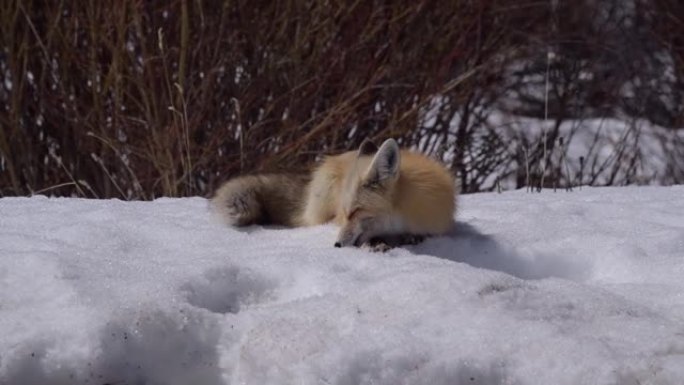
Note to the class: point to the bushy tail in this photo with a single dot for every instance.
(261, 199)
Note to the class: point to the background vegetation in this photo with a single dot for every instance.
(137, 99)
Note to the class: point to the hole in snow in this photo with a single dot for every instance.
(374, 368)
(158, 348)
(226, 290)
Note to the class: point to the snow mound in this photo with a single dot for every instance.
(552, 288)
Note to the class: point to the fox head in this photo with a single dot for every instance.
(367, 208)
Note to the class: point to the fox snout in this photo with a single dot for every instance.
(360, 231)
(354, 233)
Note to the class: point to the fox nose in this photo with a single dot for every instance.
(337, 244)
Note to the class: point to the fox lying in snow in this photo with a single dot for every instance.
(380, 197)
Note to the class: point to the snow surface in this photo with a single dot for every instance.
(596, 151)
(553, 288)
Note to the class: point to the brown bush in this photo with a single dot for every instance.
(138, 99)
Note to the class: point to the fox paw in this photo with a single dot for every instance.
(378, 246)
(388, 242)
(412, 239)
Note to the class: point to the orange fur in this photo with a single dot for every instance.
(367, 193)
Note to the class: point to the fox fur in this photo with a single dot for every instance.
(384, 195)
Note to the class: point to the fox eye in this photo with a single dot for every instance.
(352, 213)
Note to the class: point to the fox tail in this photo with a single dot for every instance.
(270, 199)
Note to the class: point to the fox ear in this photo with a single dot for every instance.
(385, 164)
(367, 148)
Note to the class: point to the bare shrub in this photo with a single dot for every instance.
(139, 99)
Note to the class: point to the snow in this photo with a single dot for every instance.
(580, 287)
(600, 141)
(595, 151)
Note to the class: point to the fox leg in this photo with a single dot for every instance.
(386, 242)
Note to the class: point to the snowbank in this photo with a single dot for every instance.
(552, 288)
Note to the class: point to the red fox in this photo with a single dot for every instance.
(379, 197)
